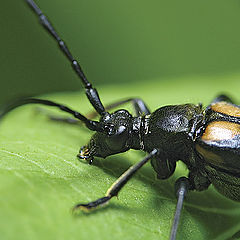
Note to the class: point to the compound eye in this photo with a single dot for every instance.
(117, 139)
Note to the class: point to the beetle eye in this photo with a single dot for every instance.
(116, 139)
(116, 131)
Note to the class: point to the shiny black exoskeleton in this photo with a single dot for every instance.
(170, 129)
(206, 140)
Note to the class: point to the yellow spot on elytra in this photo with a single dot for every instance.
(226, 108)
(220, 130)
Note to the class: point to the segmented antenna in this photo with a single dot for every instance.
(91, 92)
(92, 125)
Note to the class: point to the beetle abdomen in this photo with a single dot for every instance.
(227, 184)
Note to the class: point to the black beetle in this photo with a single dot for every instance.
(206, 140)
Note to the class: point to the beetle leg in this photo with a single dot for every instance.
(182, 186)
(53, 117)
(163, 166)
(139, 106)
(64, 119)
(116, 186)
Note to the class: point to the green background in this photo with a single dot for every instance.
(116, 42)
(166, 52)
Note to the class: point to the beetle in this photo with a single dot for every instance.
(206, 140)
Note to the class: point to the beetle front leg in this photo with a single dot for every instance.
(117, 185)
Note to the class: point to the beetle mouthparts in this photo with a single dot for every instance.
(85, 154)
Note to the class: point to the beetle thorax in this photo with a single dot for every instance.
(172, 128)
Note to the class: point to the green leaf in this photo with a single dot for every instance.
(41, 178)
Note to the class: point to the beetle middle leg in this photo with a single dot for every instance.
(139, 106)
(182, 185)
(116, 186)
(196, 181)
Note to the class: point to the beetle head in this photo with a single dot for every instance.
(114, 137)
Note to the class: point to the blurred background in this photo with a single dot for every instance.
(116, 42)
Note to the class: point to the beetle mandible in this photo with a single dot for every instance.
(206, 140)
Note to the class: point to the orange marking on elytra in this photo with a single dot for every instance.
(220, 130)
(226, 108)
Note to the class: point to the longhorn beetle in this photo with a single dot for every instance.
(206, 140)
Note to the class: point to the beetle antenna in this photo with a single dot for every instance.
(92, 125)
(91, 92)
(182, 186)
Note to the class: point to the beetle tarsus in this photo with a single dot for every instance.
(92, 205)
